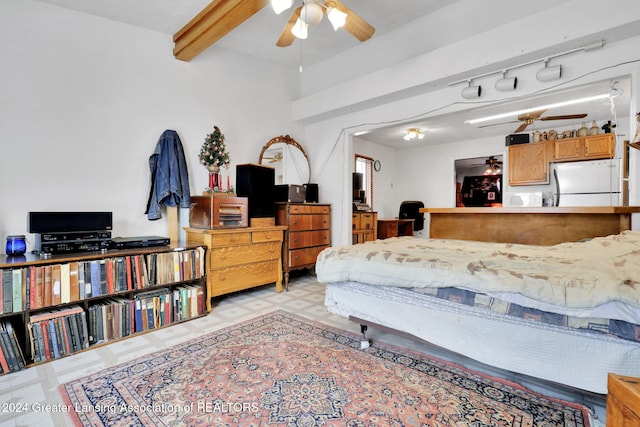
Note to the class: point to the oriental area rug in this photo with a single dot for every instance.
(283, 370)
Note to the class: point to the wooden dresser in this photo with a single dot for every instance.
(308, 233)
(364, 227)
(240, 258)
(394, 228)
(623, 401)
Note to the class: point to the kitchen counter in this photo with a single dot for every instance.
(529, 225)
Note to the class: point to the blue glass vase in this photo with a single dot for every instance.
(16, 245)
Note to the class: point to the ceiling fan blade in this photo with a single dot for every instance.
(499, 124)
(286, 37)
(521, 127)
(565, 117)
(354, 24)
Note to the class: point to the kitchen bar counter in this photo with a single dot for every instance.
(528, 225)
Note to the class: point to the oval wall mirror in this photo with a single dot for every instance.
(288, 158)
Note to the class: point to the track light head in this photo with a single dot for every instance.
(506, 83)
(548, 74)
(471, 92)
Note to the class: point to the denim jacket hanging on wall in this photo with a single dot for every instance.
(169, 175)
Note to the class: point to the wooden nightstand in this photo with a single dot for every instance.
(394, 228)
(623, 401)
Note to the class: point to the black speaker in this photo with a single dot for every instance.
(312, 195)
(517, 138)
(258, 184)
(64, 222)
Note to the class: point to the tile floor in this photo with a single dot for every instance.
(30, 397)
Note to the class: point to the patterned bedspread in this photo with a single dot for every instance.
(574, 275)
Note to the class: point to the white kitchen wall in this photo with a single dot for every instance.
(84, 101)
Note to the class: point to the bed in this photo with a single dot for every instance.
(566, 313)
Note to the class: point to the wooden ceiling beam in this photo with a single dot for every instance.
(214, 22)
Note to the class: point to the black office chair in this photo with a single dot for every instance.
(410, 209)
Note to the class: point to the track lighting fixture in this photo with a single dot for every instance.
(544, 75)
(506, 83)
(471, 92)
(413, 133)
(548, 74)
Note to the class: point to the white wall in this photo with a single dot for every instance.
(84, 101)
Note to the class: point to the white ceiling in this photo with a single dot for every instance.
(257, 37)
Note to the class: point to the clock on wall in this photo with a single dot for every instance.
(377, 165)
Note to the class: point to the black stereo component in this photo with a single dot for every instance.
(290, 193)
(138, 242)
(72, 246)
(80, 235)
(517, 138)
(312, 195)
(67, 222)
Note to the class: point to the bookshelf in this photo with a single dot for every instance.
(51, 308)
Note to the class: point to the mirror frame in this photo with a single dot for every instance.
(286, 139)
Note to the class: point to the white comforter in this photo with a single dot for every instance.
(574, 275)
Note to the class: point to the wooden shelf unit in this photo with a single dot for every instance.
(50, 300)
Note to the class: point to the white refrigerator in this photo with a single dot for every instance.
(588, 183)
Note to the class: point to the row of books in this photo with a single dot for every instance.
(11, 358)
(39, 286)
(58, 333)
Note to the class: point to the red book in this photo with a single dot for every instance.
(32, 286)
(111, 287)
(45, 338)
(3, 362)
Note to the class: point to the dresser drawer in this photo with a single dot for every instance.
(309, 222)
(232, 255)
(228, 239)
(266, 236)
(303, 239)
(298, 257)
(309, 209)
(224, 280)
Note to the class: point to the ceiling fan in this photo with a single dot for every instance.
(528, 119)
(311, 13)
(278, 156)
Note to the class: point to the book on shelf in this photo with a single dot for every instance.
(11, 357)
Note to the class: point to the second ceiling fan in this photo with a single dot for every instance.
(311, 12)
(529, 118)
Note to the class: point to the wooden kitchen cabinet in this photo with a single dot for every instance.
(240, 258)
(623, 401)
(308, 233)
(529, 163)
(364, 226)
(590, 147)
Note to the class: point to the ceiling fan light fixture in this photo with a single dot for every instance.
(336, 17)
(299, 29)
(471, 92)
(311, 13)
(548, 74)
(413, 133)
(280, 6)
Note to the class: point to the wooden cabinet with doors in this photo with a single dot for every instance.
(364, 227)
(590, 147)
(529, 163)
(308, 233)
